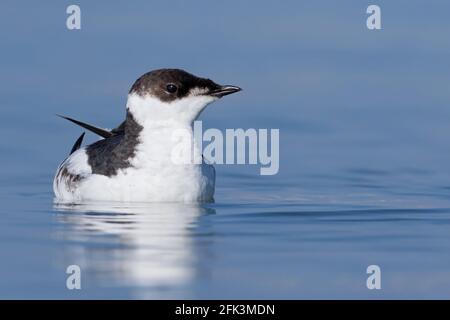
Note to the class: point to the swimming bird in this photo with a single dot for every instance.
(135, 161)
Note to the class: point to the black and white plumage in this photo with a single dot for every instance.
(135, 161)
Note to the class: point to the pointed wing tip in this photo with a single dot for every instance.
(99, 131)
(77, 144)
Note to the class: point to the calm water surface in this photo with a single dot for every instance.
(364, 152)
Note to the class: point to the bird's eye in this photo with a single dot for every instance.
(171, 88)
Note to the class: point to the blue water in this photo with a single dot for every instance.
(364, 150)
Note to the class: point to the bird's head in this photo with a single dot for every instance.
(172, 96)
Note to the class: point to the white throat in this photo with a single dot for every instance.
(149, 111)
(167, 134)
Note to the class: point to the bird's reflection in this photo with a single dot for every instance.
(148, 245)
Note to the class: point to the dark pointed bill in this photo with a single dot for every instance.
(223, 91)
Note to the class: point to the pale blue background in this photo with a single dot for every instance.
(365, 149)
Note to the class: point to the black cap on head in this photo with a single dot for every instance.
(171, 84)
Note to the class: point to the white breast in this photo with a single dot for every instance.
(152, 177)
